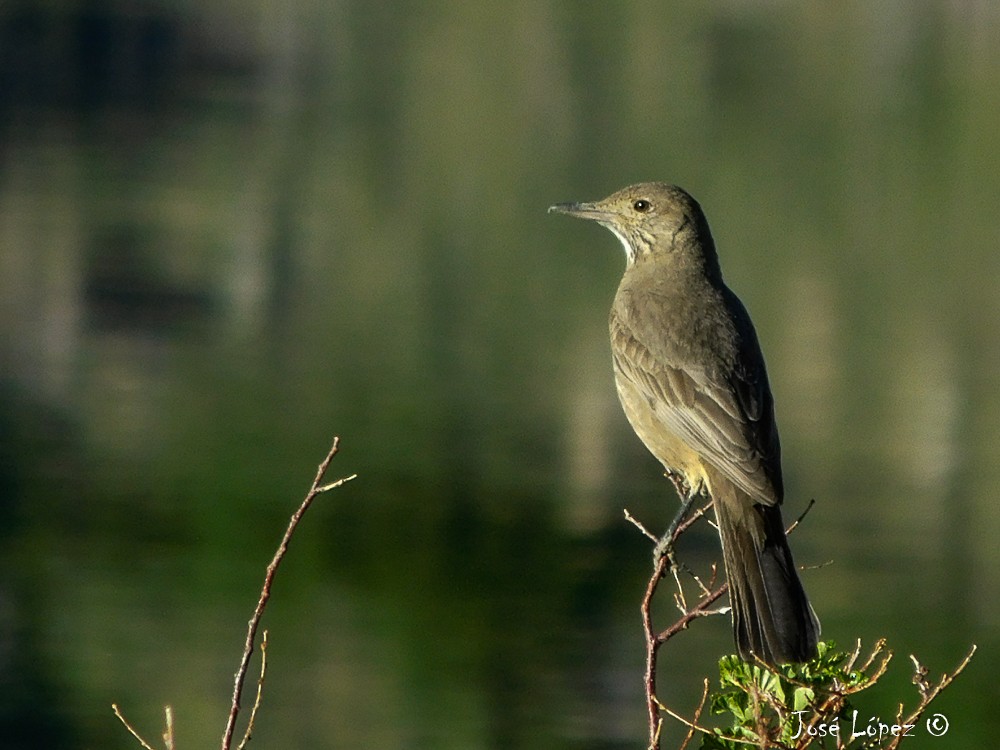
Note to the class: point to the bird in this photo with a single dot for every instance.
(692, 382)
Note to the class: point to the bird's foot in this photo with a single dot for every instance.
(665, 546)
(664, 549)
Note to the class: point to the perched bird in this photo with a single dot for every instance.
(691, 378)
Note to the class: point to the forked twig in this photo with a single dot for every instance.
(260, 692)
(928, 692)
(252, 626)
(265, 591)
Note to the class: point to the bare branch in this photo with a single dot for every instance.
(693, 726)
(854, 656)
(697, 717)
(652, 645)
(928, 693)
(168, 733)
(692, 519)
(260, 690)
(265, 592)
(702, 609)
(124, 721)
(638, 524)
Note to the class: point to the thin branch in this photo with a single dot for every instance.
(260, 691)
(697, 717)
(854, 656)
(124, 721)
(638, 524)
(802, 515)
(690, 520)
(265, 592)
(681, 527)
(878, 649)
(706, 590)
(168, 733)
(927, 693)
(700, 610)
(693, 726)
(653, 640)
(679, 599)
(652, 644)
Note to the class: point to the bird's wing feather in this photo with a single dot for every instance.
(726, 418)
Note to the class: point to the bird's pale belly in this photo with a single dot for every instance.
(669, 450)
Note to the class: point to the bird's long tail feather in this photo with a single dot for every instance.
(772, 617)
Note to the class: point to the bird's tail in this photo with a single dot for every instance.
(772, 617)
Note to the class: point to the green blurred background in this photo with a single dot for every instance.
(231, 230)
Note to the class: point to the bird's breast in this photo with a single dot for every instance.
(675, 455)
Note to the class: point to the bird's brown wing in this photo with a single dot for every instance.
(725, 415)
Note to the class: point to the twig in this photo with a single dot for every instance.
(802, 515)
(701, 609)
(693, 725)
(124, 721)
(265, 592)
(168, 733)
(681, 527)
(652, 645)
(690, 520)
(881, 669)
(679, 599)
(854, 657)
(697, 716)
(706, 590)
(655, 640)
(638, 524)
(260, 691)
(928, 693)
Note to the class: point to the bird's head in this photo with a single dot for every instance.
(650, 219)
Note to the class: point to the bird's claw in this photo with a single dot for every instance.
(665, 549)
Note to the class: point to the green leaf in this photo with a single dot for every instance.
(802, 698)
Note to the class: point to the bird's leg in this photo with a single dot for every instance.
(666, 544)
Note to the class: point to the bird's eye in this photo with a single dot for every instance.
(642, 206)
